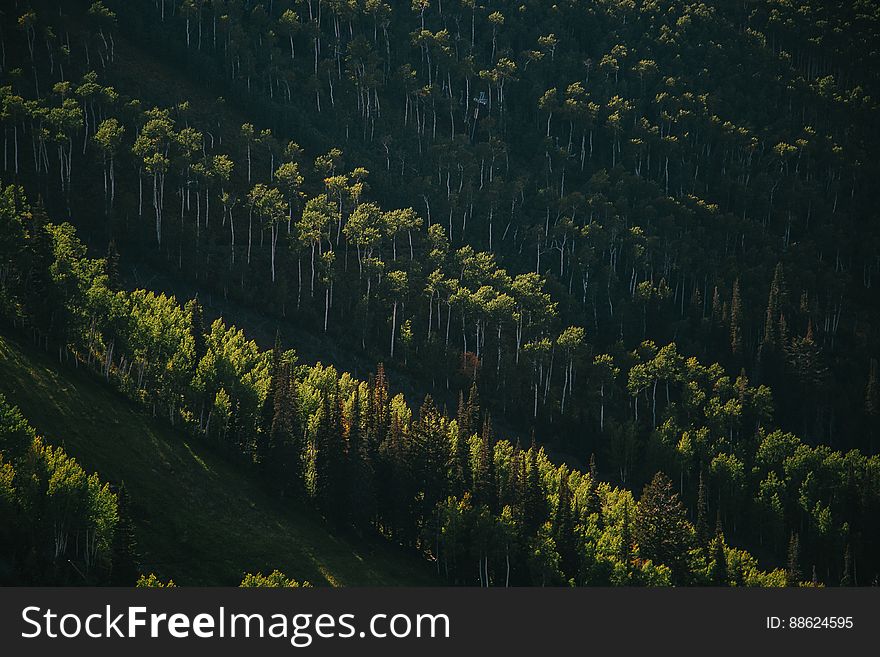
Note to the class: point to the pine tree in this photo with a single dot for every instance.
(535, 501)
(330, 456)
(195, 314)
(463, 475)
(285, 447)
(431, 457)
(461, 417)
(768, 362)
(379, 410)
(793, 575)
(775, 304)
(872, 391)
(112, 266)
(626, 537)
(267, 410)
(846, 577)
(40, 297)
(124, 557)
(485, 481)
(394, 483)
(469, 413)
(661, 530)
(702, 524)
(508, 480)
(719, 574)
(717, 307)
(594, 504)
(563, 528)
(736, 331)
(806, 360)
(362, 492)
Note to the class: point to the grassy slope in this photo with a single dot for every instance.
(198, 519)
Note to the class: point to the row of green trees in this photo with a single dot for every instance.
(274, 580)
(446, 486)
(58, 524)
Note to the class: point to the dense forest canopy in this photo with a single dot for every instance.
(641, 231)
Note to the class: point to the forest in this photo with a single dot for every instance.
(545, 294)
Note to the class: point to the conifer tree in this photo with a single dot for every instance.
(872, 391)
(462, 416)
(379, 414)
(124, 556)
(702, 524)
(793, 575)
(431, 457)
(268, 409)
(362, 488)
(594, 502)
(112, 266)
(196, 316)
(39, 294)
(394, 484)
(626, 537)
(775, 305)
(473, 411)
(736, 330)
(330, 459)
(485, 480)
(285, 446)
(535, 501)
(661, 530)
(846, 578)
(563, 527)
(466, 428)
(719, 575)
(509, 480)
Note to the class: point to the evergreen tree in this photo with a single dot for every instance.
(702, 524)
(431, 457)
(196, 316)
(124, 556)
(330, 459)
(775, 305)
(563, 528)
(395, 502)
(736, 329)
(594, 504)
(378, 410)
(112, 266)
(846, 578)
(661, 530)
(535, 500)
(793, 575)
(463, 470)
(469, 413)
(626, 537)
(485, 480)
(719, 575)
(285, 448)
(872, 395)
(40, 297)
(362, 489)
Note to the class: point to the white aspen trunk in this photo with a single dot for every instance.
(393, 326)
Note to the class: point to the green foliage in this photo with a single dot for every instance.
(152, 582)
(58, 522)
(274, 580)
